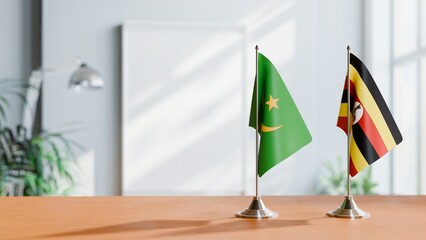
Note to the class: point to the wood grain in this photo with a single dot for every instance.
(301, 217)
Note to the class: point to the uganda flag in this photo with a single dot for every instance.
(281, 127)
(374, 131)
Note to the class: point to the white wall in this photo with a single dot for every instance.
(378, 59)
(393, 40)
(305, 39)
(15, 48)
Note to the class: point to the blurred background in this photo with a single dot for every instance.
(172, 117)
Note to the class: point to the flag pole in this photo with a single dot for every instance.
(348, 154)
(257, 122)
(348, 209)
(257, 208)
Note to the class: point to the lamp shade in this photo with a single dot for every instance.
(86, 77)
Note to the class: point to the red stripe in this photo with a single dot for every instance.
(352, 87)
(342, 123)
(353, 170)
(372, 134)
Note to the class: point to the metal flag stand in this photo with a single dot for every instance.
(257, 208)
(348, 209)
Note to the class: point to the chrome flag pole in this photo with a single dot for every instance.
(348, 209)
(257, 208)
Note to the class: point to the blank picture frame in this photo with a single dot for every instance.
(184, 109)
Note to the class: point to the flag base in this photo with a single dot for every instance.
(348, 209)
(257, 209)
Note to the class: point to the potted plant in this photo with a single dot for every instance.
(334, 180)
(32, 165)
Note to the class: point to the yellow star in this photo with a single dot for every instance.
(272, 103)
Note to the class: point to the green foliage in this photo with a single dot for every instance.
(36, 165)
(334, 181)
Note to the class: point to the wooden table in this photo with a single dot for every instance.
(301, 217)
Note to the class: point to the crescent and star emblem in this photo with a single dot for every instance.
(272, 103)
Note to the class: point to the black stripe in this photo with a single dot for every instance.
(364, 144)
(374, 90)
(345, 98)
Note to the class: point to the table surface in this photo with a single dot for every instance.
(300, 217)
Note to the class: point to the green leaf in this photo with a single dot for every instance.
(20, 95)
(30, 181)
(2, 113)
(334, 180)
(4, 101)
(46, 160)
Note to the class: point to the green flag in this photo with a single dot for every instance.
(281, 127)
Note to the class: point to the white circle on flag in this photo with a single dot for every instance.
(358, 111)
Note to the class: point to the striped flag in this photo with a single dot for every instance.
(374, 131)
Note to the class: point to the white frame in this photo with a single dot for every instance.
(124, 83)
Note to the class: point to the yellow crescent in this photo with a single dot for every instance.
(269, 129)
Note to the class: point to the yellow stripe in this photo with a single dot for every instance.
(371, 106)
(357, 157)
(343, 112)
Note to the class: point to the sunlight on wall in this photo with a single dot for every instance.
(187, 129)
(283, 51)
(396, 51)
(188, 104)
(405, 33)
(265, 13)
(214, 45)
(406, 116)
(190, 137)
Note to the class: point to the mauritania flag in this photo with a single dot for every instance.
(281, 126)
(374, 131)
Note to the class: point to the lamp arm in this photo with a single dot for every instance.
(48, 71)
(32, 97)
(31, 100)
(83, 76)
